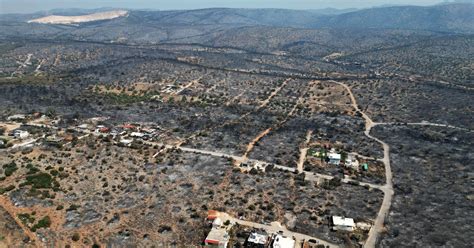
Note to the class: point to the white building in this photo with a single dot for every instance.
(83, 126)
(137, 134)
(352, 162)
(217, 237)
(280, 241)
(342, 223)
(217, 223)
(257, 240)
(126, 142)
(334, 158)
(18, 117)
(20, 134)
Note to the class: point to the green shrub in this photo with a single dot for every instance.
(10, 168)
(54, 173)
(31, 169)
(75, 237)
(40, 181)
(43, 223)
(72, 207)
(8, 188)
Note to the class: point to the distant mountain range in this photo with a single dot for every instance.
(447, 18)
(444, 18)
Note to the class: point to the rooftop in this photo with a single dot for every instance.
(333, 155)
(257, 238)
(217, 235)
(212, 214)
(283, 242)
(342, 221)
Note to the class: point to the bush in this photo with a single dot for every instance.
(8, 188)
(43, 223)
(54, 173)
(31, 169)
(75, 237)
(40, 180)
(332, 184)
(10, 168)
(72, 207)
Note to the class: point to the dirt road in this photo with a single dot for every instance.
(387, 189)
(303, 152)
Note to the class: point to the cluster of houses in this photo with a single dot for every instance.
(276, 240)
(36, 117)
(336, 158)
(219, 235)
(34, 120)
(21, 127)
(126, 133)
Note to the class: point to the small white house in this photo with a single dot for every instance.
(137, 134)
(126, 142)
(17, 117)
(342, 223)
(20, 134)
(334, 158)
(280, 241)
(352, 162)
(257, 240)
(83, 126)
(217, 237)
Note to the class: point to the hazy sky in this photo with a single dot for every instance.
(26, 6)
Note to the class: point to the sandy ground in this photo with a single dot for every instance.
(55, 19)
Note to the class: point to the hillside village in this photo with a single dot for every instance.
(48, 132)
(234, 128)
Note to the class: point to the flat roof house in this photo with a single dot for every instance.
(137, 134)
(83, 126)
(17, 117)
(280, 241)
(334, 158)
(256, 240)
(352, 162)
(126, 142)
(217, 237)
(342, 223)
(20, 134)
